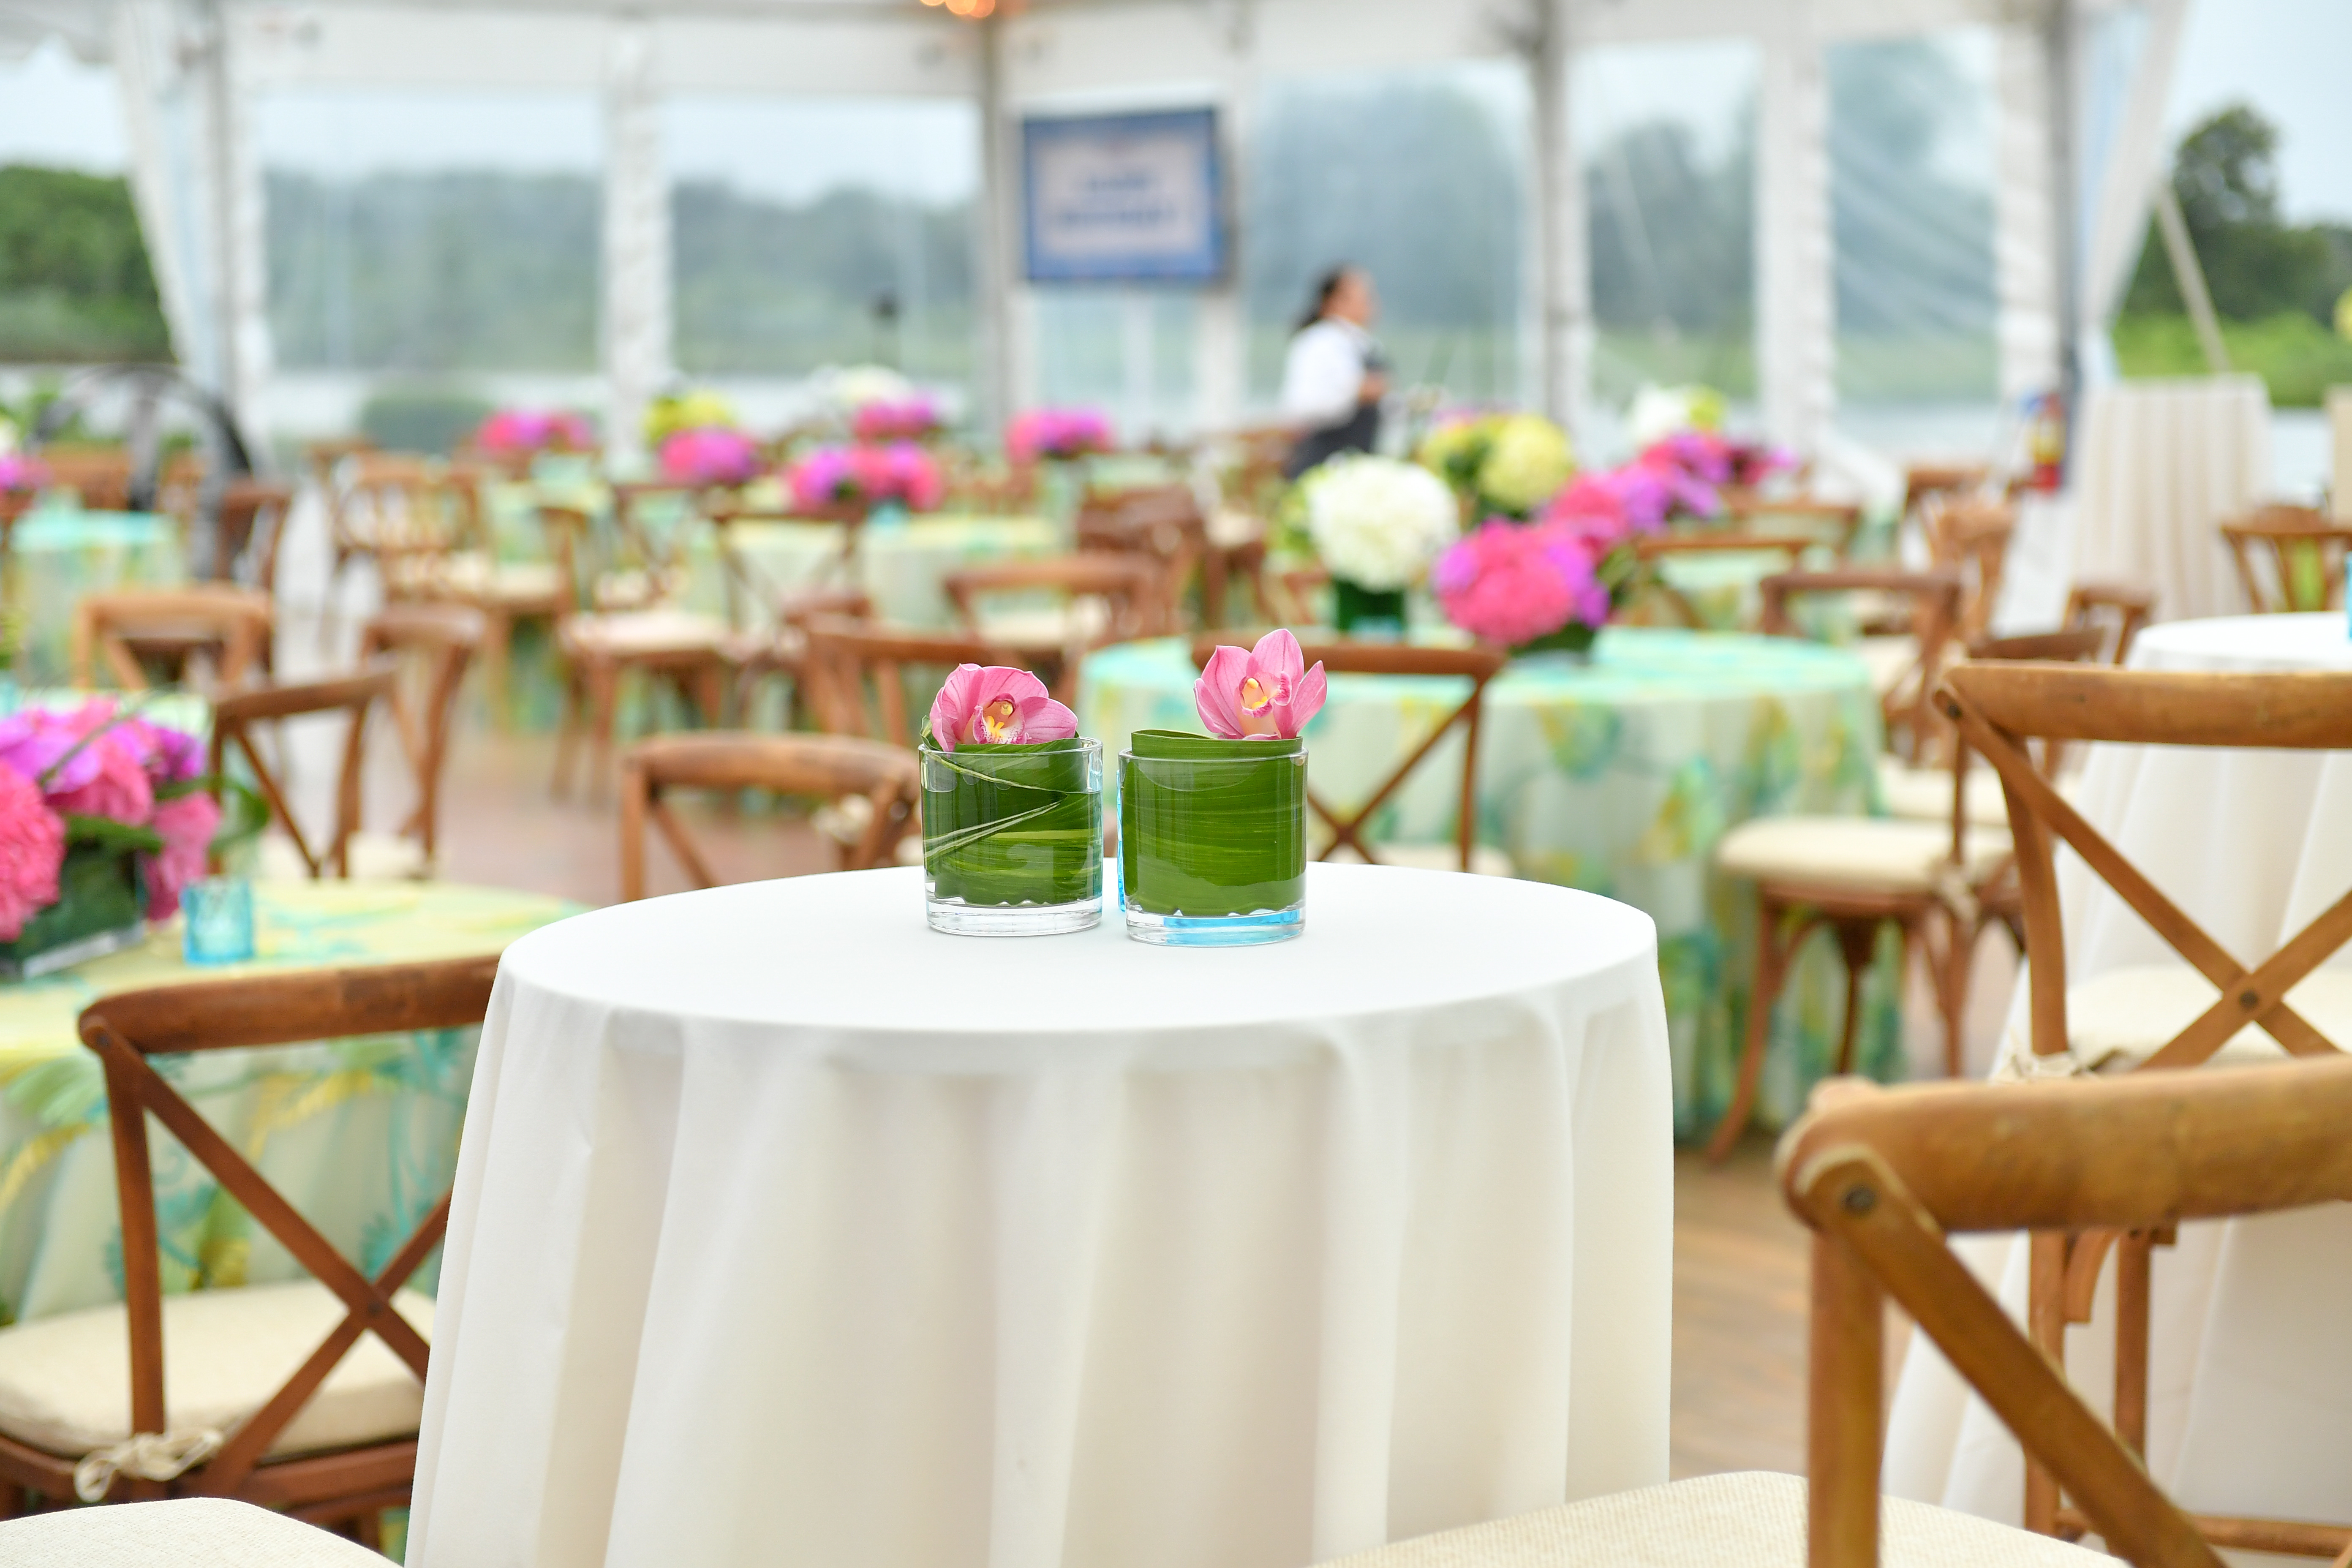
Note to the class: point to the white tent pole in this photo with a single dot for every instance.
(1563, 270)
(1221, 347)
(1795, 299)
(993, 236)
(637, 325)
(2029, 231)
(238, 203)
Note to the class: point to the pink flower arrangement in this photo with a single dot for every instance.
(1613, 505)
(1261, 693)
(1511, 585)
(1056, 433)
(710, 454)
(995, 705)
(18, 472)
(895, 419)
(1695, 464)
(517, 430)
(92, 761)
(901, 471)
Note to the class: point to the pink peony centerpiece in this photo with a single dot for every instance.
(512, 432)
(96, 763)
(1516, 586)
(1061, 432)
(996, 705)
(710, 454)
(901, 471)
(895, 419)
(1261, 693)
(19, 472)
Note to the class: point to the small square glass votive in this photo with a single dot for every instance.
(216, 921)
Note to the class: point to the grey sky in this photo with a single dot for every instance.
(2286, 56)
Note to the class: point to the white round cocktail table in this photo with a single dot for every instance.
(2251, 1380)
(788, 1230)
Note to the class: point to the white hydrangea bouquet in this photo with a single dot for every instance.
(1378, 522)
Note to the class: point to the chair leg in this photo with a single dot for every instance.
(1769, 961)
(603, 700)
(711, 691)
(1959, 970)
(1856, 941)
(497, 649)
(567, 729)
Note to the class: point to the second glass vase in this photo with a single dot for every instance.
(1012, 838)
(1212, 839)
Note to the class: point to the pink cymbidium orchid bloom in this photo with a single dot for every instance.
(993, 705)
(1264, 694)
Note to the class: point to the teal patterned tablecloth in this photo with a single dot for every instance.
(58, 554)
(1617, 776)
(900, 565)
(360, 1134)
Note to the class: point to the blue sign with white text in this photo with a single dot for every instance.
(1120, 198)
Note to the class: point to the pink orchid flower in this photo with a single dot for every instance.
(1266, 693)
(993, 705)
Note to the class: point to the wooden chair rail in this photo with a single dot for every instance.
(293, 1009)
(2069, 644)
(2303, 710)
(828, 766)
(233, 717)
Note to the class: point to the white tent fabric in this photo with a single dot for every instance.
(188, 66)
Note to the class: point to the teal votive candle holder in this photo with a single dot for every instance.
(216, 921)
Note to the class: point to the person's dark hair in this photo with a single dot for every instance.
(1324, 287)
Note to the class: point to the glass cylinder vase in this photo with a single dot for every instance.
(1212, 839)
(1012, 838)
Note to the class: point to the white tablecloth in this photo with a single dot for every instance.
(2162, 464)
(2250, 1370)
(789, 1231)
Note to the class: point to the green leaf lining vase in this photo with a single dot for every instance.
(1212, 839)
(1372, 614)
(1012, 838)
(101, 908)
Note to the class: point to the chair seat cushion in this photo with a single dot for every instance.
(2118, 1019)
(647, 633)
(1890, 659)
(1863, 854)
(186, 1532)
(1082, 621)
(65, 1380)
(472, 574)
(1924, 794)
(1750, 1519)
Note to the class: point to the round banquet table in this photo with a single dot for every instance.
(360, 1134)
(60, 553)
(2251, 1376)
(1617, 776)
(787, 1230)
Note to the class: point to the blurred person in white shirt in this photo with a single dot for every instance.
(1335, 375)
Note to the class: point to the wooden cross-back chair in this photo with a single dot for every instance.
(251, 524)
(692, 652)
(389, 507)
(237, 717)
(1883, 1177)
(1970, 535)
(1162, 524)
(265, 1381)
(2170, 1020)
(429, 646)
(2301, 549)
(1478, 665)
(1904, 670)
(100, 475)
(1654, 548)
(888, 778)
(131, 629)
(1101, 598)
(1832, 524)
(2122, 610)
(856, 673)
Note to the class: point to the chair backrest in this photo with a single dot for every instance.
(1934, 602)
(1999, 708)
(1970, 535)
(567, 530)
(1477, 665)
(100, 476)
(1162, 522)
(384, 502)
(126, 1029)
(887, 778)
(856, 673)
(232, 624)
(1791, 548)
(1883, 1177)
(2305, 550)
(252, 523)
(1922, 480)
(235, 718)
(437, 641)
(1129, 588)
(2122, 609)
(1824, 523)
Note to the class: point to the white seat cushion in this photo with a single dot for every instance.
(1890, 661)
(1924, 794)
(1862, 854)
(648, 632)
(65, 1382)
(186, 1532)
(1751, 1519)
(2118, 1019)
